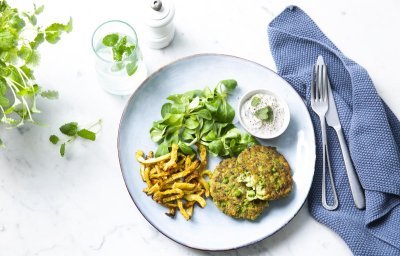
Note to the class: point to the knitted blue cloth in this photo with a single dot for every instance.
(372, 132)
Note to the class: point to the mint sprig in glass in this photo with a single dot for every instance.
(119, 62)
(122, 49)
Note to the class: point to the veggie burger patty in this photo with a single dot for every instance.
(242, 187)
(266, 170)
(229, 195)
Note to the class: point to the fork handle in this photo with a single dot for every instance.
(325, 157)
(355, 186)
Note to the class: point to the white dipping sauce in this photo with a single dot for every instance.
(257, 126)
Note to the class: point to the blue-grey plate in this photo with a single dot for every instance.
(210, 229)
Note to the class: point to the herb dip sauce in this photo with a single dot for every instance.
(263, 115)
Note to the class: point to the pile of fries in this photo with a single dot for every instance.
(176, 180)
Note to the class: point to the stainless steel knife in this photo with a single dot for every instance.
(332, 119)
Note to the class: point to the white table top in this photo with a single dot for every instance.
(78, 205)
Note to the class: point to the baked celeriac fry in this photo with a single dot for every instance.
(175, 180)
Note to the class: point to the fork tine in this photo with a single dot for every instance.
(313, 84)
(324, 83)
(320, 82)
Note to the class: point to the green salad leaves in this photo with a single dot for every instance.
(201, 116)
(20, 37)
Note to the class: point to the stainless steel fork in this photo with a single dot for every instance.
(320, 105)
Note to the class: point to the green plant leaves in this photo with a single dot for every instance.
(49, 94)
(122, 50)
(69, 129)
(73, 131)
(62, 149)
(110, 40)
(38, 10)
(37, 41)
(18, 56)
(204, 113)
(200, 116)
(162, 149)
(86, 134)
(131, 68)
(54, 31)
(229, 84)
(4, 102)
(54, 139)
(191, 123)
(8, 39)
(225, 113)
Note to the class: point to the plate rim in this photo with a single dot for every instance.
(156, 72)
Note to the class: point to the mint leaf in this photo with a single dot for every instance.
(264, 114)
(73, 132)
(69, 129)
(4, 102)
(3, 86)
(62, 149)
(49, 94)
(131, 68)
(8, 40)
(110, 40)
(86, 134)
(17, 23)
(31, 18)
(37, 41)
(54, 139)
(38, 10)
(33, 59)
(54, 31)
(121, 48)
(255, 101)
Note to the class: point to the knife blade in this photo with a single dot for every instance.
(332, 119)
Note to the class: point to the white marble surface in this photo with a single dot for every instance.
(78, 205)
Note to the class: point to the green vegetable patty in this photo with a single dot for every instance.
(242, 187)
(229, 195)
(265, 170)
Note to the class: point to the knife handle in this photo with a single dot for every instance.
(355, 186)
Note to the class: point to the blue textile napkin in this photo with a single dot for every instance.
(372, 132)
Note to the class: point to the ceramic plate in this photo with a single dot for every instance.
(210, 229)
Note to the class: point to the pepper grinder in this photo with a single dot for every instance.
(159, 28)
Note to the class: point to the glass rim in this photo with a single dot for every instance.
(113, 21)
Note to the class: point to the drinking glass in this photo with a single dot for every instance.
(119, 75)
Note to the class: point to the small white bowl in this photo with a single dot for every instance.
(283, 103)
